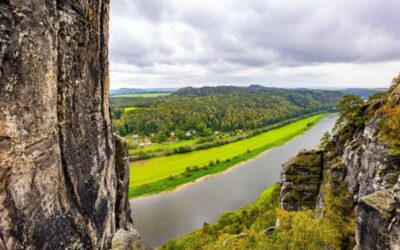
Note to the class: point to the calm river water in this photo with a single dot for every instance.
(165, 216)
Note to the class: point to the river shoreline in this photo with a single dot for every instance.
(204, 178)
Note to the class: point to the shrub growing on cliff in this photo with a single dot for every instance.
(301, 230)
(350, 109)
(338, 210)
(390, 125)
(377, 96)
(325, 141)
(391, 129)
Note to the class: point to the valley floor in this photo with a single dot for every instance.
(168, 172)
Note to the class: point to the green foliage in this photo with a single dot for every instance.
(325, 141)
(254, 217)
(308, 161)
(390, 129)
(117, 112)
(377, 96)
(302, 230)
(181, 135)
(182, 149)
(161, 136)
(338, 205)
(240, 109)
(142, 156)
(350, 109)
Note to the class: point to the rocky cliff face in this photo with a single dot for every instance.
(373, 181)
(58, 182)
(358, 159)
(301, 180)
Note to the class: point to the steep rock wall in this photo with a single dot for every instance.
(377, 196)
(359, 160)
(374, 182)
(58, 187)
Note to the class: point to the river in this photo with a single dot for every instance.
(165, 216)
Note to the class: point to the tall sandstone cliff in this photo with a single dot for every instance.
(359, 172)
(58, 175)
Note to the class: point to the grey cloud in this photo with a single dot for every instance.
(253, 34)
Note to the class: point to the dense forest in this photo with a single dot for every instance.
(224, 108)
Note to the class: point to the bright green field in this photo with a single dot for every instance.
(162, 167)
(143, 94)
(127, 109)
(156, 147)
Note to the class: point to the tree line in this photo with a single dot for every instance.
(240, 108)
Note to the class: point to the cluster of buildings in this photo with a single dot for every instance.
(140, 143)
(147, 142)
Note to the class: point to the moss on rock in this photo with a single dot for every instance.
(381, 201)
(301, 177)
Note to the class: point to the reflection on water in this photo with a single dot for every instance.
(166, 216)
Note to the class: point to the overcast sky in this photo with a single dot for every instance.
(279, 43)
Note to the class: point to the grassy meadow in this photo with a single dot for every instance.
(127, 109)
(167, 172)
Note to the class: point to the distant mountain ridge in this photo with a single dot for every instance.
(123, 91)
(216, 90)
(364, 93)
(228, 89)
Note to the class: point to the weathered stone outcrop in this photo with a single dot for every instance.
(358, 158)
(122, 207)
(128, 239)
(301, 179)
(58, 185)
(377, 227)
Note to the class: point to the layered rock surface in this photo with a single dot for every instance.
(58, 182)
(301, 179)
(361, 161)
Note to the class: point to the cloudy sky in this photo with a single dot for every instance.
(280, 43)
